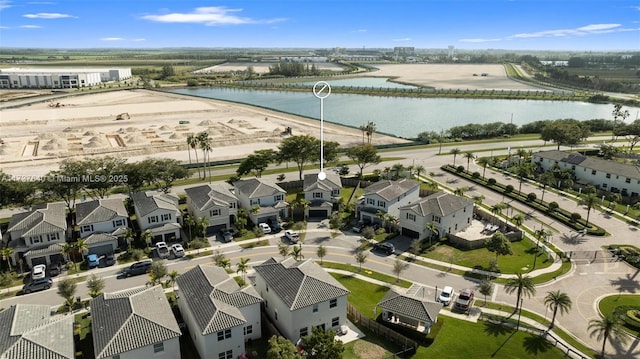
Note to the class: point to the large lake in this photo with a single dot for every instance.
(406, 117)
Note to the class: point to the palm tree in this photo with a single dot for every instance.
(67, 290)
(431, 226)
(518, 219)
(522, 285)
(321, 252)
(296, 253)
(189, 222)
(7, 253)
(546, 179)
(455, 152)
(522, 154)
(469, 156)
(205, 146)
(80, 246)
(192, 141)
(67, 248)
(242, 267)
(145, 237)
(397, 168)
(284, 250)
(201, 224)
(589, 200)
(370, 129)
(557, 300)
(220, 260)
(608, 326)
(484, 162)
(523, 171)
(460, 191)
(173, 275)
(496, 210)
(419, 169)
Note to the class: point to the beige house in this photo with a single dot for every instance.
(446, 212)
(159, 213)
(215, 203)
(323, 195)
(267, 197)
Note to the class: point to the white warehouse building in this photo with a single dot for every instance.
(60, 78)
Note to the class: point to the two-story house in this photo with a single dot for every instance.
(215, 203)
(220, 315)
(323, 195)
(134, 324)
(31, 331)
(159, 213)
(386, 196)
(411, 308)
(107, 217)
(300, 295)
(603, 174)
(441, 211)
(38, 236)
(267, 197)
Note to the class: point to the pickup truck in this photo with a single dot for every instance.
(162, 249)
(292, 236)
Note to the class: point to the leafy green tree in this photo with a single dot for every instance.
(256, 163)
(67, 290)
(499, 244)
(618, 113)
(415, 248)
(486, 288)
(171, 279)
(521, 285)
(284, 250)
(96, 285)
(101, 172)
(166, 171)
(631, 132)
(282, 348)
(331, 151)
(322, 345)
(301, 149)
(321, 252)
(157, 272)
(557, 300)
(567, 132)
(360, 257)
(399, 266)
(65, 183)
(607, 327)
(364, 156)
(6, 279)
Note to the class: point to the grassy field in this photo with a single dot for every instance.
(610, 303)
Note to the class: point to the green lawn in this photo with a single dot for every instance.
(364, 295)
(610, 303)
(367, 273)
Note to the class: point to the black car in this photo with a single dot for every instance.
(137, 268)
(55, 269)
(107, 260)
(385, 247)
(37, 285)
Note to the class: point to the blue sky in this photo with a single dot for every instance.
(595, 25)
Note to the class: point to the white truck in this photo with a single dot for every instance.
(292, 236)
(162, 249)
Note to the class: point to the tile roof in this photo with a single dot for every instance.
(149, 201)
(299, 284)
(96, 238)
(101, 210)
(29, 331)
(215, 297)
(411, 305)
(311, 182)
(257, 187)
(39, 221)
(441, 204)
(131, 319)
(45, 250)
(389, 189)
(608, 166)
(210, 196)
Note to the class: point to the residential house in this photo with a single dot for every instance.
(37, 236)
(300, 295)
(263, 200)
(134, 323)
(323, 195)
(386, 196)
(412, 309)
(603, 174)
(101, 244)
(215, 203)
(31, 331)
(159, 213)
(447, 213)
(103, 216)
(220, 315)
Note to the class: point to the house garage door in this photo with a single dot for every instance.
(156, 239)
(38, 260)
(318, 213)
(101, 250)
(410, 233)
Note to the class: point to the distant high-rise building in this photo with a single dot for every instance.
(404, 51)
(450, 53)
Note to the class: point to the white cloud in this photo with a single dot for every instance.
(4, 4)
(46, 15)
(209, 16)
(30, 26)
(112, 39)
(360, 30)
(404, 39)
(138, 40)
(580, 31)
(479, 40)
(4, 27)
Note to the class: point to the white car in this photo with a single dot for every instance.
(292, 236)
(177, 250)
(162, 249)
(446, 295)
(39, 271)
(265, 228)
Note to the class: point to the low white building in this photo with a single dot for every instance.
(448, 213)
(299, 296)
(60, 77)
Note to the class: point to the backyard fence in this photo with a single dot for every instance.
(408, 345)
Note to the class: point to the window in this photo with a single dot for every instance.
(335, 321)
(436, 219)
(53, 236)
(226, 355)
(382, 204)
(608, 175)
(317, 194)
(158, 347)
(411, 217)
(628, 180)
(118, 223)
(232, 205)
(593, 172)
(214, 213)
(304, 332)
(333, 303)
(166, 217)
(604, 185)
(336, 193)
(371, 201)
(254, 202)
(153, 219)
(248, 329)
(278, 197)
(315, 308)
(87, 228)
(224, 334)
(35, 239)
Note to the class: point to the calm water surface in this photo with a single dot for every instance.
(406, 117)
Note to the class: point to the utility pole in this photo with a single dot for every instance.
(441, 133)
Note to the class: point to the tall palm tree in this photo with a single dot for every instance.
(205, 146)
(7, 253)
(522, 155)
(67, 249)
(173, 275)
(484, 162)
(419, 169)
(431, 226)
(469, 156)
(557, 300)
(607, 327)
(80, 246)
(370, 129)
(496, 210)
(589, 200)
(189, 222)
(522, 285)
(242, 267)
(296, 253)
(201, 224)
(192, 141)
(546, 179)
(518, 219)
(455, 152)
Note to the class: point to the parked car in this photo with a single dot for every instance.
(227, 236)
(464, 300)
(385, 247)
(55, 269)
(37, 285)
(137, 268)
(38, 271)
(446, 295)
(292, 236)
(93, 261)
(265, 228)
(358, 226)
(177, 250)
(162, 249)
(108, 260)
(275, 226)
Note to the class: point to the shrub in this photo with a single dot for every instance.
(508, 189)
(575, 217)
(633, 318)
(532, 197)
(553, 206)
(137, 254)
(368, 232)
(491, 181)
(460, 169)
(476, 175)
